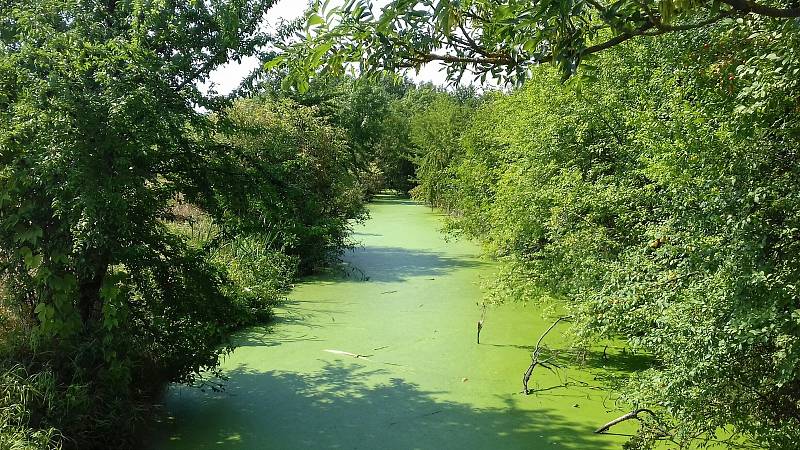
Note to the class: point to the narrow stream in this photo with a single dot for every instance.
(421, 381)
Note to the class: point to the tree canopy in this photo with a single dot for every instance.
(503, 40)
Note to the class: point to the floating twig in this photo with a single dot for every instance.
(354, 355)
(417, 417)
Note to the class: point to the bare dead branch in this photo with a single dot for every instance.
(663, 431)
(526, 377)
(631, 415)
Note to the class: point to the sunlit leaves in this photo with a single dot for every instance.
(486, 38)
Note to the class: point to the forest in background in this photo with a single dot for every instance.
(649, 189)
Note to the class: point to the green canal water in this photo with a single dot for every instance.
(409, 308)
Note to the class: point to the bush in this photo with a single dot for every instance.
(298, 189)
(260, 276)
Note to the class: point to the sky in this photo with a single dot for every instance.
(227, 78)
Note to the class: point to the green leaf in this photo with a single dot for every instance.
(274, 62)
(33, 261)
(29, 234)
(314, 20)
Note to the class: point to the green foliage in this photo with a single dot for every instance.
(257, 275)
(491, 39)
(436, 125)
(94, 111)
(374, 114)
(377, 128)
(106, 292)
(306, 193)
(260, 275)
(659, 200)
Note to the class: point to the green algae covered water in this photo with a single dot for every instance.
(386, 358)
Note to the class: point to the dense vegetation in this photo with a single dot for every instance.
(659, 202)
(652, 193)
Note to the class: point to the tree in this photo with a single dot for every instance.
(436, 125)
(501, 39)
(299, 186)
(372, 113)
(97, 101)
(99, 133)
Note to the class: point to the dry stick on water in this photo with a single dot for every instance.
(354, 355)
(635, 415)
(535, 357)
(480, 322)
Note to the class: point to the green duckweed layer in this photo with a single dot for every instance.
(408, 308)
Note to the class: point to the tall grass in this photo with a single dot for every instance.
(21, 395)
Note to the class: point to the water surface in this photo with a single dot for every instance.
(408, 308)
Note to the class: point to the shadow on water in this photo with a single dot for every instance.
(296, 322)
(394, 264)
(265, 337)
(608, 367)
(620, 359)
(342, 406)
(617, 359)
(393, 200)
(360, 233)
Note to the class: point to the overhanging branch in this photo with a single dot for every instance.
(745, 6)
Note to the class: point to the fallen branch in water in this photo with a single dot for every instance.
(354, 355)
(535, 357)
(631, 415)
(659, 426)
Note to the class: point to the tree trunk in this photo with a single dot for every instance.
(89, 301)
